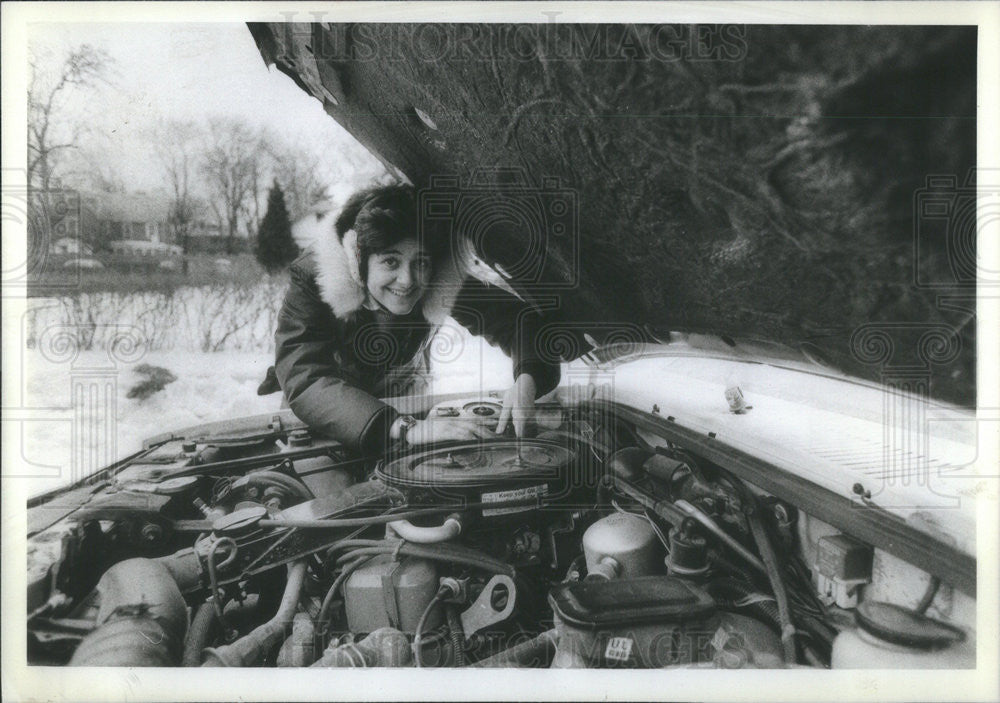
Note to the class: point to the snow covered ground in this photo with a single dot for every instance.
(71, 414)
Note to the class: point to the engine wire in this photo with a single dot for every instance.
(418, 633)
(324, 611)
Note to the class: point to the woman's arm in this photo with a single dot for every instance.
(306, 352)
(510, 324)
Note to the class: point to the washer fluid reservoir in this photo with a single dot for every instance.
(892, 637)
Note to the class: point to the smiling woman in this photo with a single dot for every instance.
(398, 276)
(359, 316)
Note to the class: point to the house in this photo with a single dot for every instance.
(138, 224)
(130, 217)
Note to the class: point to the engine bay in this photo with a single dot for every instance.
(593, 543)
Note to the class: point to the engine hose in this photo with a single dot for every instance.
(248, 650)
(448, 530)
(335, 523)
(419, 631)
(457, 634)
(932, 588)
(204, 625)
(452, 553)
(777, 584)
(710, 524)
(537, 652)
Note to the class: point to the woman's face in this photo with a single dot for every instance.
(398, 276)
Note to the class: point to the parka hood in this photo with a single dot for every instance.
(339, 281)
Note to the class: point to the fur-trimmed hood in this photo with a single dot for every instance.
(339, 281)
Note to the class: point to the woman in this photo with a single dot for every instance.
(361, 309)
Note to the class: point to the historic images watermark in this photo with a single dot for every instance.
(548, 39)
(505, 229)
(951, 215)
(51, 220)
(91, 410)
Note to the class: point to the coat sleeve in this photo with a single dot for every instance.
(306, 345)
(510, 324)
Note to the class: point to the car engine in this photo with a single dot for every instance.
(586, 545)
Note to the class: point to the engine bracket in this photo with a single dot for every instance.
(482, 613)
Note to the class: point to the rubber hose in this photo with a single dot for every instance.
(457, 634)
(436, 552)
(448, 530)
(777, 584)
(537, 652)
(251, 648)
(204, 625)
(142, 618)
(932, 588)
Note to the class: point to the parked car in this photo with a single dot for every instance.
(85, 264)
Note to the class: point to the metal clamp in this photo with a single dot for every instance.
(482, 613)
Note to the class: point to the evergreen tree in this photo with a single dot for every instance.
(275, 248)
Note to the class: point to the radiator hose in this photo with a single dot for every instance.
(537, 652)
(141, 619)
(250, 649)
(383, 647)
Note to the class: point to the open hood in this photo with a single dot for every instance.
(804, 185)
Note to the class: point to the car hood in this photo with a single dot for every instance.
(763, 181)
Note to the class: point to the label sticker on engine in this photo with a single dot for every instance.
(511, 496)
(618, 649)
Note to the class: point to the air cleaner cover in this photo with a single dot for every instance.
(504, 472)
(479, 464)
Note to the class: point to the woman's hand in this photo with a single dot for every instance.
(445, 429)
(518, 404)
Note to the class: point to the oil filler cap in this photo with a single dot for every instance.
(905, 627)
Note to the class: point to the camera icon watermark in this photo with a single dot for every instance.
(526, 235)
(949, 220)
(905, 354)
(595, 342)
(50, 219)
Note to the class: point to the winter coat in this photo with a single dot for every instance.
(335, 358)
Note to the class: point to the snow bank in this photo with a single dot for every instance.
(78, 418)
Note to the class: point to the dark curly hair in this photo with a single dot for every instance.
(384, 215)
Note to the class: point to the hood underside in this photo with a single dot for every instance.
(807, 185)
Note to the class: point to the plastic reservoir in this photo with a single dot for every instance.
(892, 637)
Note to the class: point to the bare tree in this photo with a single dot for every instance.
(253, 212)
(50, 134)
(297, 169)
(231, 167)
(178, 148)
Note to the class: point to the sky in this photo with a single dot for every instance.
(183, 71)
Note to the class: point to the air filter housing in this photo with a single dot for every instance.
(515, 475)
